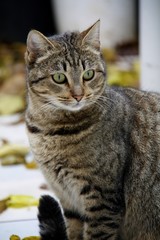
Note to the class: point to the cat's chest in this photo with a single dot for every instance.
(62, 163)
(66, 145)
(69, 160)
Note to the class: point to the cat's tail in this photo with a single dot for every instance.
(51, 220)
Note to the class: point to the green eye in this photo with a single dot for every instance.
(59, 78)
(88, 75)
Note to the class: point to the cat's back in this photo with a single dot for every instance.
(140, 100)
(142, 182)
(144, 111)
(144, 145)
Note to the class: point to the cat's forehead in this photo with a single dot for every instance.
(73, 61)
(67, 40)
(72, 53)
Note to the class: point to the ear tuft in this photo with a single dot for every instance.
(91, 36)
(35, 40)
(37, 46)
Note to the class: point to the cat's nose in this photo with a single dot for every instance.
(78, 97)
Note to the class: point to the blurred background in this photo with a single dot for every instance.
(130, 37)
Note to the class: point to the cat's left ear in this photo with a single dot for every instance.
(91, 36)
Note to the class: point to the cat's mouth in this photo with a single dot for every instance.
(75, 106)
(72, 105)
(78, 105)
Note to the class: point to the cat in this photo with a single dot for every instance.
(97, 146)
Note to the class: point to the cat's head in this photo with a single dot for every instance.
(68, 70)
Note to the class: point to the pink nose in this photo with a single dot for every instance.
(78, 97)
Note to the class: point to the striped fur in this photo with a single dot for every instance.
(101, 155)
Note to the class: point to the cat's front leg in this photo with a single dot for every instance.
(103, 220)
(74, 224)
(100, 227)
(101, 230)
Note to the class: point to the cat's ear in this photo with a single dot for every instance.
(91, 36)
(38, 46)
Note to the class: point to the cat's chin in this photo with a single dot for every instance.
(73, 108)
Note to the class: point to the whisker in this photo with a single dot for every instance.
(104, 98)
(46, 106)
(64, 99)
(95, 102)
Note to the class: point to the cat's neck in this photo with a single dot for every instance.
(61, 117)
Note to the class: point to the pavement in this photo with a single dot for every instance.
(18, 179)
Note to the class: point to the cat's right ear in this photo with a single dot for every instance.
(38, 47)
(91, 36)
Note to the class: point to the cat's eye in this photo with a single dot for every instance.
(59, 78)
(88, 75)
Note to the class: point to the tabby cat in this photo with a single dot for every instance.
(97, 146)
